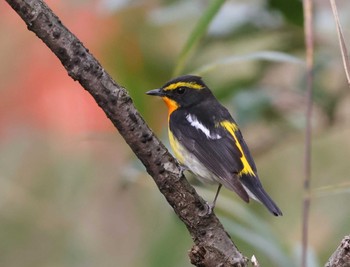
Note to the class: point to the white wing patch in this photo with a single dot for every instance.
(199, 126)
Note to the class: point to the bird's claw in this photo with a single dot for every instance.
(208, 209)
(183, 168)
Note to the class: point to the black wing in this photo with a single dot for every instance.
(218, 153)
(221, 151)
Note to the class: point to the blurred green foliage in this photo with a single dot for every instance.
(84, 200)
(291, 10)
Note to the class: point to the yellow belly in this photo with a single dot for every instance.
(176, 147)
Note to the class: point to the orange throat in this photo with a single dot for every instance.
(172, 105)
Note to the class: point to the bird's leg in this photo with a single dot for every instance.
(183, 168)
(212, 205)
(216, 195)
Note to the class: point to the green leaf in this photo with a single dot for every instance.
(291, 10)
(198, 32)
(273, 56)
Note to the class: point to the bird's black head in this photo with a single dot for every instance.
(185, 91)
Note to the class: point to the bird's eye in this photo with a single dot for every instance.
(180, 90)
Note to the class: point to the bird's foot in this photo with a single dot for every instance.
(183, 168)
(211, 207)
(208, 209)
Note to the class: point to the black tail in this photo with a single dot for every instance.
(253, 185)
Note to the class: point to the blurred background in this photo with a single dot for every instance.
(73, 194)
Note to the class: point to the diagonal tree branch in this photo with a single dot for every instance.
(213, 246)
(341, 257)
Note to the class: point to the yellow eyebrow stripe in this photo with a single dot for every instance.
(231, 128)
(191, 85)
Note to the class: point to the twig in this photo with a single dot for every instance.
(309, 43)
(342, 43)
(213, 246)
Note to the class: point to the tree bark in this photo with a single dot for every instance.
(341, 257)
(212, 244)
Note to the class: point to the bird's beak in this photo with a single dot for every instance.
(156, 92)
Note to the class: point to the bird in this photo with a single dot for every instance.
(207, 141)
